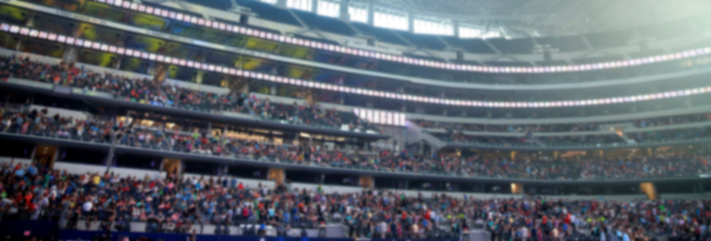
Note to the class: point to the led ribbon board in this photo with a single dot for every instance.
(32, 33)
(397, 58)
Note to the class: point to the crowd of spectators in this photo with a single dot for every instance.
(565, 127)
(179, 204)
(579, 140)
(98, 129)
(163, 93)
(459, 138)
(525, 137)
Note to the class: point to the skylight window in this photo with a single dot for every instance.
(329, 8)
(303, 5)
(442, 27)
(390, 19)
(358, 12)
(469, 32)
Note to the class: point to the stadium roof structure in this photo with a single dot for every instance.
(538, 18)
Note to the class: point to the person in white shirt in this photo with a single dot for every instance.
(87, 206)
(524, 233)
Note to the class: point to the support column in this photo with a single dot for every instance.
(236, 85)
(30, 24)
(367, 182)
(172, 167)
(371, 10)
(277, 175)
(516, 188)
(281, 3)
(158, 71)
(71, 52)
(314, 6)
(309, 97)
(112, 149)
(341, 95)
(455, 25)
(649, 189)
(31, 20)
(44, 155)
(116, 63)
(411, 21)
(345, 16)
(199, 76)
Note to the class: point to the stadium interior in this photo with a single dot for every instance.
(336, 120)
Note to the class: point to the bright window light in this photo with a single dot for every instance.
(469, 32)
(304, 5)
(358, 12)
(390, 19)
(466, 32)
(423, 26)
(269, 1)
(329, 8)
(491, 34)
